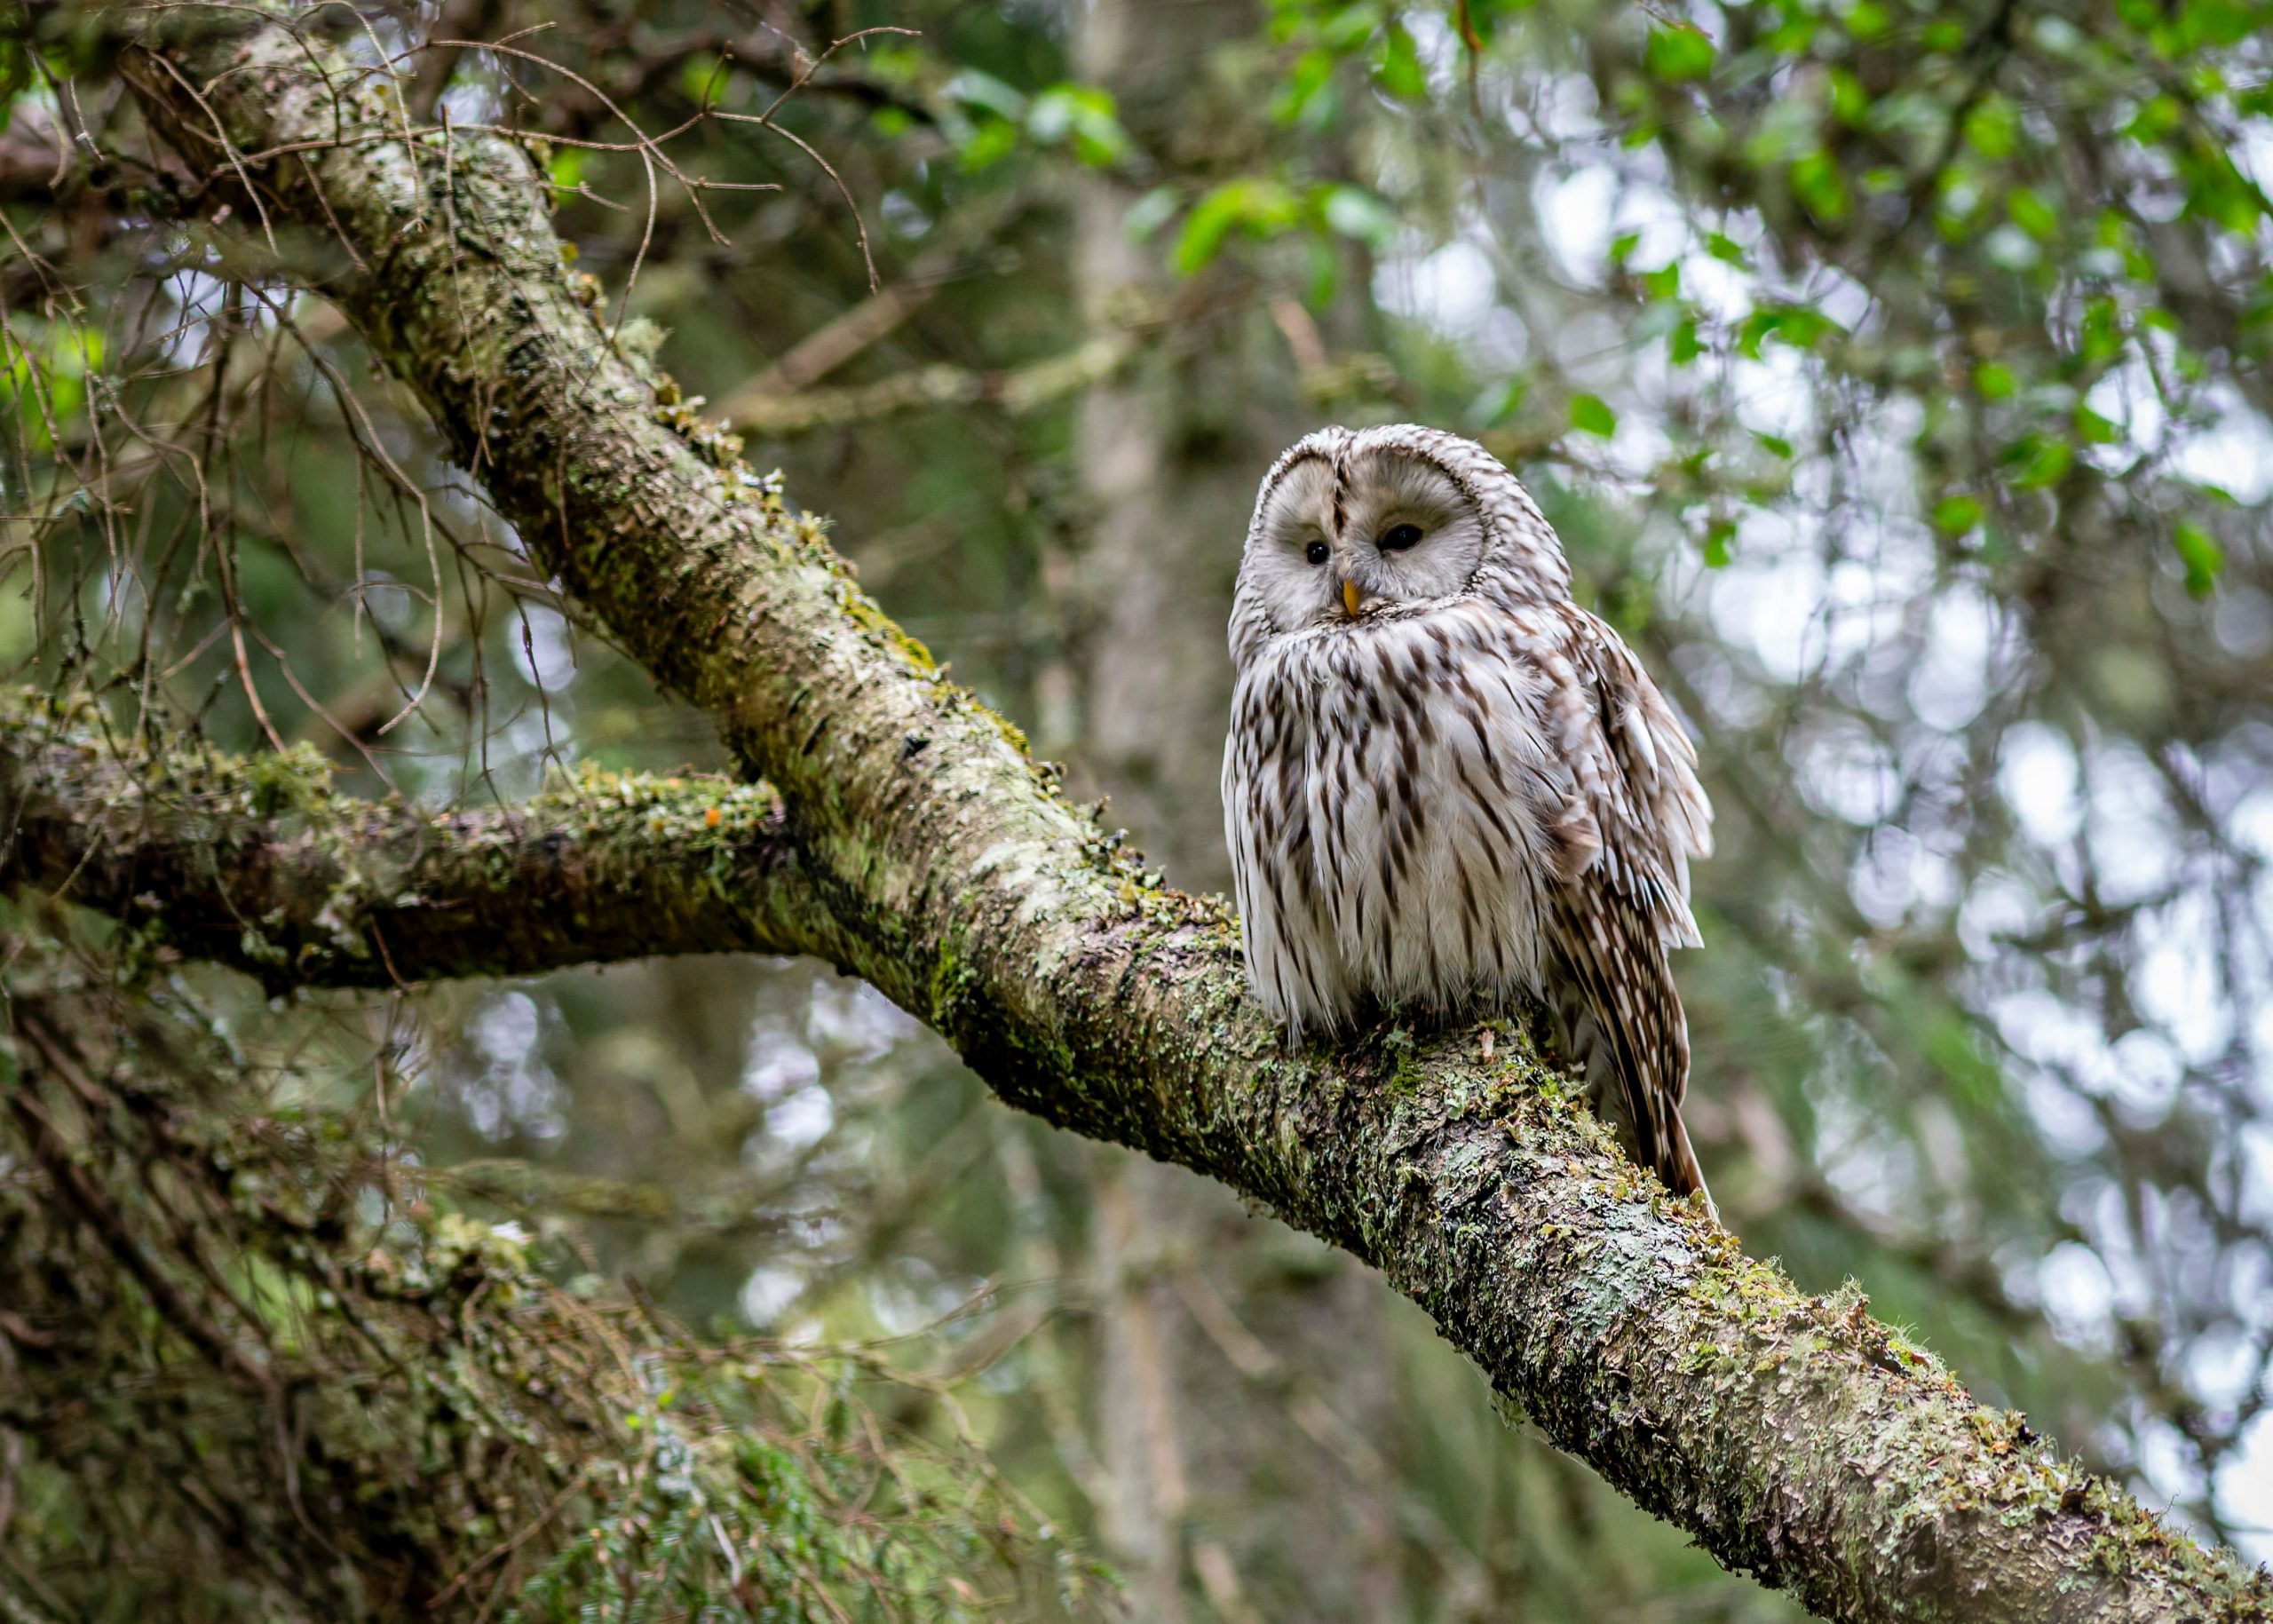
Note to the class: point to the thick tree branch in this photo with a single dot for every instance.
(258, 864)
(1795, 1437)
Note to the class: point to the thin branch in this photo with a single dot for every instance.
(940, 388)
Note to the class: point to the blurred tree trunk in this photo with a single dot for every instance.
(1167, 454)
(1145, 653)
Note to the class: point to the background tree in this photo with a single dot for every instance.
(1891, 375)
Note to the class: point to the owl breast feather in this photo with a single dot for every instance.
(1395, 815)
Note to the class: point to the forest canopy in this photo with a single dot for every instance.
(508, 937)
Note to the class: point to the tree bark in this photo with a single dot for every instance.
(256, 864)
(1795, 1437)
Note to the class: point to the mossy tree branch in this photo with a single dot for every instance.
(1796, 1437)
(258, 864)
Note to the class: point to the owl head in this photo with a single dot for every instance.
(1352, 525)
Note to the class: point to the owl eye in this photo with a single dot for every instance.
(1316, 552)
(1398, 537)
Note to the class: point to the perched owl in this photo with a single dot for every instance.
(1447, 784)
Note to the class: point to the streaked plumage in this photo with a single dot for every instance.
(1447, 784)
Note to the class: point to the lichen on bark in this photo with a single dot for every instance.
(253, 1363)
(256, 863)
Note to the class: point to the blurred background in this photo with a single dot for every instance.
(1895, 371)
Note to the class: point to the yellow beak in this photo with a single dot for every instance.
(1349, 596)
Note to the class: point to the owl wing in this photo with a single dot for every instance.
(1635, 773)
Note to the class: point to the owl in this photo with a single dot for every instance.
(1446, 786)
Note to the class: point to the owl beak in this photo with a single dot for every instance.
(1350, 600)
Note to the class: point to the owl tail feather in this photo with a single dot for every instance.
(1677, 1168)
(1623, 1018)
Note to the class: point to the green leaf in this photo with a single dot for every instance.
(1718, 535)
(991, 140)
(2095, 430)
(1664, 283)
(1954, 1048)
(2155, 120)
(1727, 249)
(1775, 444)
(1351, 26)
(2043, 459)
(2101, 339)
(1793, 35)
(1355, 212)
(1817, 182)
(1312, 73)
(1993, 381)
(1256, 207)
(1683, 345)
(2204, 559)
(2219, 24)
(2219, 192)
(705, 81)
(986, 92)
(1677, 54)
(2032, 214)
(1622, 247)
(1849, 101)
(1957, 515)
(1794, 324)
(1866, 20)
(1324, 273)
(1590, 414)
(1085, 113)
(1398, 71)
(1992, 128)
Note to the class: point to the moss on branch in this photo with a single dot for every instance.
(257, 863)
(251, 1367)
(1794, 1436)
